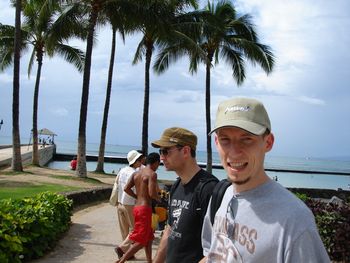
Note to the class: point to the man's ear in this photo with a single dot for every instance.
(216, 140)
(187, 150)
(269, 140)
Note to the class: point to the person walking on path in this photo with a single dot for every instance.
(126, 202)
(189, 197)
(258, 220)
(145, 182)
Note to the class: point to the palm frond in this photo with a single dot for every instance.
(31, 62)
(235, 59)
(71, 22)
(72, 55)
(140, 52)
(7, 33)
(167, 56)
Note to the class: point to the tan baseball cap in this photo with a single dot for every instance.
(176, 136)
(245, 113)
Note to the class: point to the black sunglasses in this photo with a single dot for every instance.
(166, 151)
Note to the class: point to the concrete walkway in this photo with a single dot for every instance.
(92, 237)
(6, 153)
(45, 154)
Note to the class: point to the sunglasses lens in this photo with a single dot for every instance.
(163, 152)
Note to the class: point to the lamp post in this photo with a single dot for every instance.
(1, 123)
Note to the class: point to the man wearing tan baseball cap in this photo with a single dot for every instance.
(258, 220)
(189, 197)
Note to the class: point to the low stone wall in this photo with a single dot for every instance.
(103, 193)
(46, 154)
(89, 196)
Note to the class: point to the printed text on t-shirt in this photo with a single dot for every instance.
(242, 233)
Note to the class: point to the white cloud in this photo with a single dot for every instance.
(6, 78)
(314, 101)
(307, 94)
(60, 112)
(7, 13)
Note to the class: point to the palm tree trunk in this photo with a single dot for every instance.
(146, 100)
(16, 143)
(101, 153)
(35, 156)
(81, 156)
(207, 114)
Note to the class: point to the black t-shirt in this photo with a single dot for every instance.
(187, 208)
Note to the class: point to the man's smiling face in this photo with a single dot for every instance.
(242, 155)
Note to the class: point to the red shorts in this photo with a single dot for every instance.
(142, 232)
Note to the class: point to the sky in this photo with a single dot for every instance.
(307, 95)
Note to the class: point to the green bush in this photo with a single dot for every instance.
(333, 223)
(302, 197)
(30, 226)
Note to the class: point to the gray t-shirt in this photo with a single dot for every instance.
(266, 224)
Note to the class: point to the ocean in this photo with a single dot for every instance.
(287, 179)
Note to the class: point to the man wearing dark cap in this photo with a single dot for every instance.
(258, 220)
(189, 197)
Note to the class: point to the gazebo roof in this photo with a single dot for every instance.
(45, 131)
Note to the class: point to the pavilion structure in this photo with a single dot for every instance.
(46, 132)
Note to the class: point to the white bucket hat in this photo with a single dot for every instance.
(133, 156)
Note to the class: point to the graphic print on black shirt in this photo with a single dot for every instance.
(184, 242)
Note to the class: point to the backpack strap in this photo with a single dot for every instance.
(198, 190)
(200, 186)
(199, 199)
(173, 187)
(216, 198)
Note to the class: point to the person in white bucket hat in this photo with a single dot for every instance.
(126, 202)
(133, 156)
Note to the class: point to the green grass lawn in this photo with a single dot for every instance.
(27, 190)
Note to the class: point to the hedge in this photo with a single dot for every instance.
(333, 222)
(31, 226)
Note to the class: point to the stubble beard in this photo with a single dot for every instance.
(237, 181)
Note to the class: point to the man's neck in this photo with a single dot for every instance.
(188, 171)
(254, 183)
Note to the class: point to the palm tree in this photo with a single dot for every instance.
(94, 7)
(16, 144)
(224, 35)
(46, 27)
(101, 153)
(156, 18)
(95, 10)
(116, 17)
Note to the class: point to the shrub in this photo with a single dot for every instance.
(30, 226)
(302, 197)
(333, 222)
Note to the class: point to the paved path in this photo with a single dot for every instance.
(6, 153)
(92, 238)
(45, 155)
